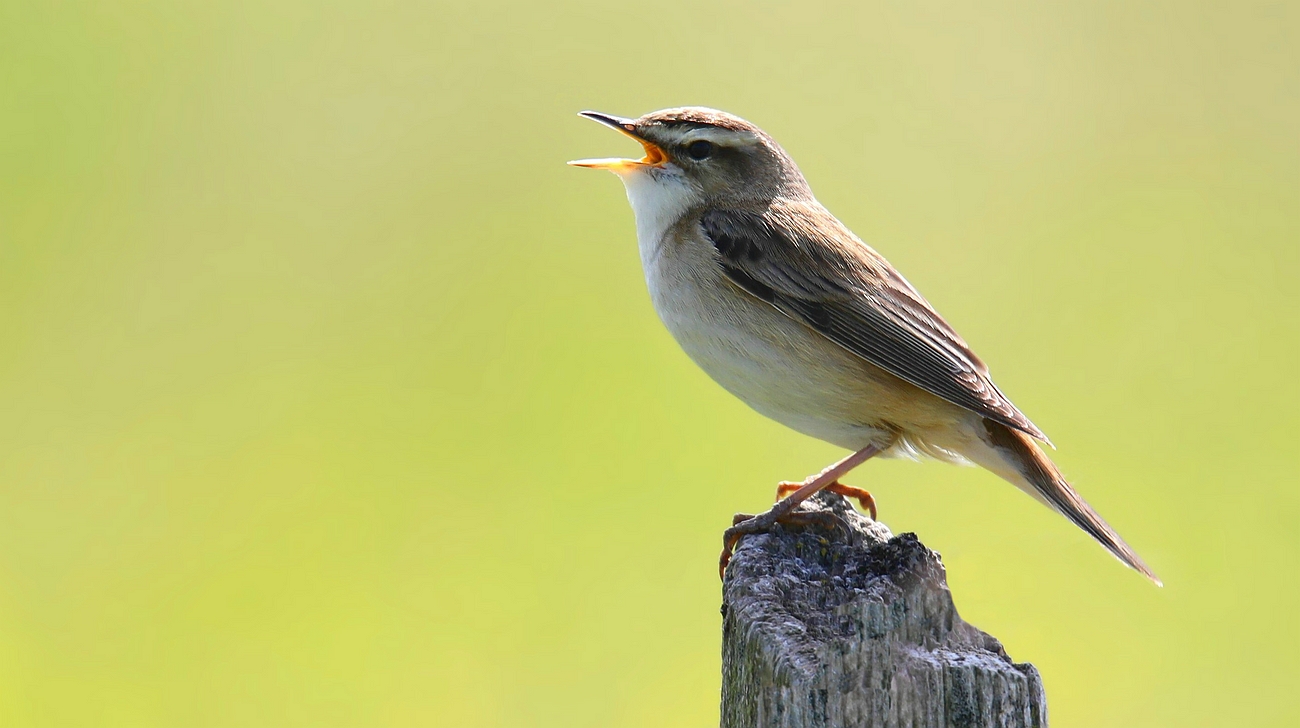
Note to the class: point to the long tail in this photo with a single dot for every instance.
(1015, 457)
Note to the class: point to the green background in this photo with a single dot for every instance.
(330, 396)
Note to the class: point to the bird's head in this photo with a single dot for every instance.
(722, 158)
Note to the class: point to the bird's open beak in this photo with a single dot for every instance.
(654, 156)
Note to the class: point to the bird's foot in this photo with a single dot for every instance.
(863, 497)
(743, 524)
(782, 511)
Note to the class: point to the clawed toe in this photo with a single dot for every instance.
(861, 495)
(741, 524)
(744, 524)
(864, 497)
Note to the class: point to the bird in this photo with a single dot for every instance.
(785, 308)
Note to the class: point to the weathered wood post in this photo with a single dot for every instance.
(858, 629)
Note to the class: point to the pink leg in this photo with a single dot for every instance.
(764, 521)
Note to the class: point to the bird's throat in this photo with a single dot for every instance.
(658, 200)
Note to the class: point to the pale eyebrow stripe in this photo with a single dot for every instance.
(726, 137)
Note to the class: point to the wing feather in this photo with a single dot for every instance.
(801, 260)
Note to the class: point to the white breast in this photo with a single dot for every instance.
(775, 365)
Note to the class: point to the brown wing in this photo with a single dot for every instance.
(801, 260)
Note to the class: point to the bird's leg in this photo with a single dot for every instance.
(863, 496)
(743, 524)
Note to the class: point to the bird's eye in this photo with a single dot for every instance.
(699, 150)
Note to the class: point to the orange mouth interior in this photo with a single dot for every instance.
(653, 154)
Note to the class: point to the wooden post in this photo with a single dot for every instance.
(858, 629)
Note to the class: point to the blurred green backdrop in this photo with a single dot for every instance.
(329, 396)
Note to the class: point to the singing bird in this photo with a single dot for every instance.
(791, 312)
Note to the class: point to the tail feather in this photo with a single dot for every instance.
(1027, 467)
